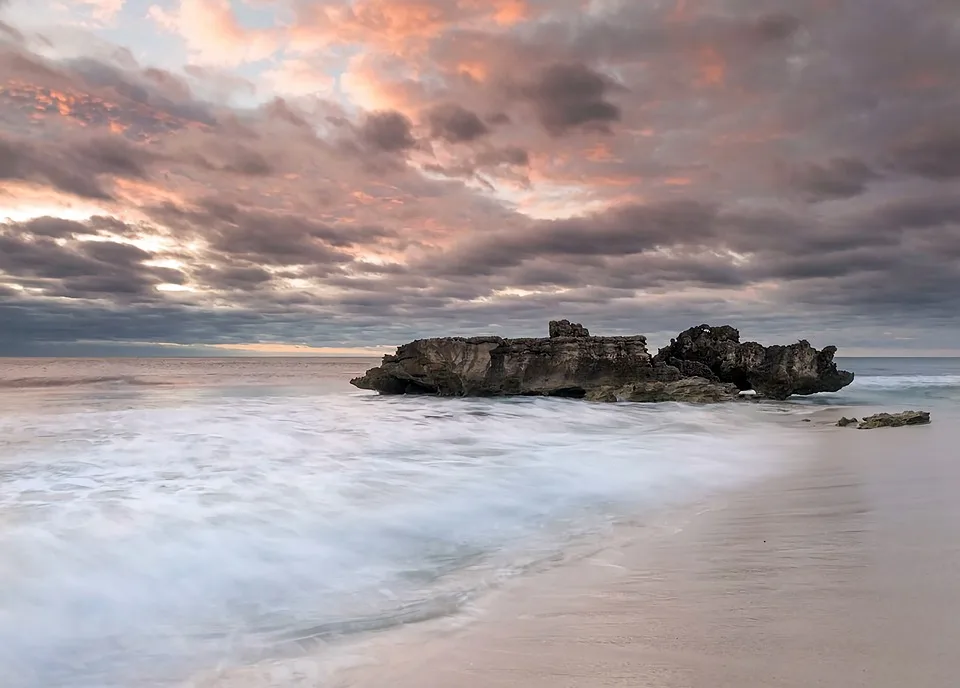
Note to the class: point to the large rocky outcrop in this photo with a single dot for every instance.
(493, 366)
(571, 363)
(774, 372)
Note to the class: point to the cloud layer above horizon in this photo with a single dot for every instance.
(338, 173)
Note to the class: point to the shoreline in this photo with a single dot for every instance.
(838, 573)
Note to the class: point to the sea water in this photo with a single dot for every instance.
(162, 518)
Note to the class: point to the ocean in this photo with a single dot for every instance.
(168, 519)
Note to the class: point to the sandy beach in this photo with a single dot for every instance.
(842, 573)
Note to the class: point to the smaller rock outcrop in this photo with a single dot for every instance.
(565, 328)
(894, 420)
(774, 372)
(846, 422)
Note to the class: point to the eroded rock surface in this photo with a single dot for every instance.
(694, 390)
(702, 365)
(894, 420)
(565, 328)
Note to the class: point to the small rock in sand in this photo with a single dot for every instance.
(846, 422)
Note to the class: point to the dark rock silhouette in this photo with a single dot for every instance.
(565, 328)
(701, 365)
(774, 372)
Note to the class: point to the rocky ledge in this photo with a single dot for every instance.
(703, 364)
(887, 420)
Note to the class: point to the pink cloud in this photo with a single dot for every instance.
(214, 35)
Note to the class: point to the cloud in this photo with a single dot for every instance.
(240, 278)
(387, 131)
(213, 34)
(298, 77)
(76, 170)
(53, 227)
(10, 33)
(567, 96)
(368, 173)
(934, 156)
(455, 124)
(78, 268)
(838, 178)
(104, 10)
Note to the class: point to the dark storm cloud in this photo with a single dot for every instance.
(388, 131)
(455, 124)
(893, 218)
(110, 156)
(60, 228)
(628, 230)
(78, 269)
(934, 156)
(21, 161)
(240, 278)
(838, 178)
(856, 266)
(267, 238)
(54, 227)
(567, 96)
(75, 167)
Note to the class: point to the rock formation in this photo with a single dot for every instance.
(894, 420)
(846, 422)
(565, 328)
(701, 365)
(774, 372)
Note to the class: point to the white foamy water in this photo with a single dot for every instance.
(151, 532)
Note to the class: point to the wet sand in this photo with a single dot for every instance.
(844, 573)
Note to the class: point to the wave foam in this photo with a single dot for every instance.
(143, 542)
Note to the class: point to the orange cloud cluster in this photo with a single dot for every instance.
(138, 120)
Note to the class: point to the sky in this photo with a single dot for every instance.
(298, 176)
